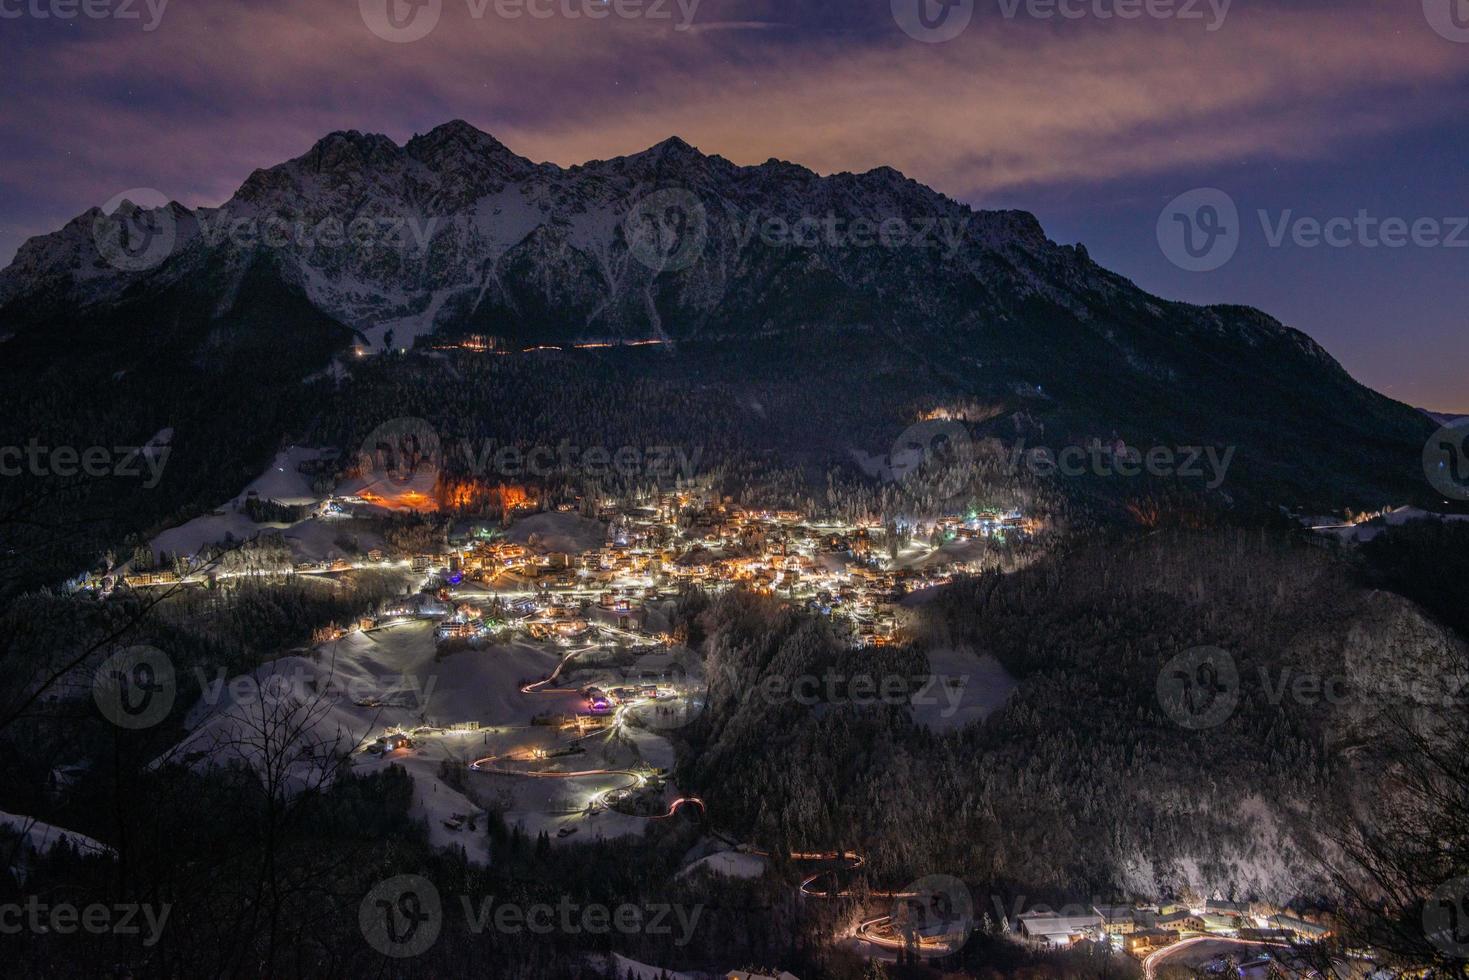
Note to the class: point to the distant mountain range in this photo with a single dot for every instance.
(796, 280)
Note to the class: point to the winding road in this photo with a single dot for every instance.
(1153, 959)
(681, 802)
(867, 931)
(539, 687)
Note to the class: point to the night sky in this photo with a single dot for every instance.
(1095, 123)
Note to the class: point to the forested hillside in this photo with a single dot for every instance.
(1084, 779)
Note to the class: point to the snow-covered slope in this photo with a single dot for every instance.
(37, 839)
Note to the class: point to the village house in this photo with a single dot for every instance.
(1048, 929)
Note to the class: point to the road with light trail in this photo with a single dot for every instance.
(865, 931)
(1151, 961)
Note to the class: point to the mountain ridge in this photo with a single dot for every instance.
(457, 235)
(351, 151)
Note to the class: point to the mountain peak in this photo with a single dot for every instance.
(350, 148)
(459, 142)
(458, 129)
(352, 138)
(673, 147)
(457, 132)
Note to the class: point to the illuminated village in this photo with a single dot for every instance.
(734, 490)
(561, 615)
(840, 571)
(857, 574)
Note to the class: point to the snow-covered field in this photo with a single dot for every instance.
(642, 971)
(311, 539)
(40, 837)
(203, 532)
(967, 688)
(283, 480)
(952, 552)
(552, 531)
(731, 864)
(347, 693)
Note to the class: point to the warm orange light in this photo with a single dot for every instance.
(477, 495)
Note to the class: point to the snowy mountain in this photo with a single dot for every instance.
(454, 230)
(363, 241)
(458, 231)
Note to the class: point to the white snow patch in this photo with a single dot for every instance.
(559, 532)
(40, 838)
(730, 864)
(642, 971)
(967, 688)
(281, 482)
